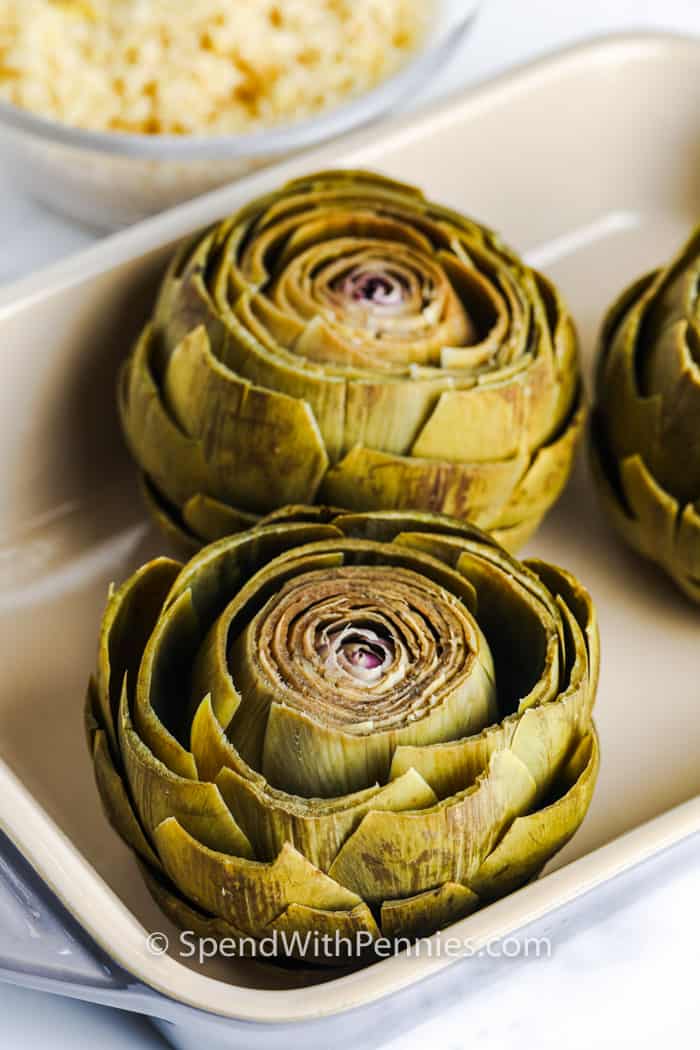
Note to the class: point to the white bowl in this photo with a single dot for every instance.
(110, 179)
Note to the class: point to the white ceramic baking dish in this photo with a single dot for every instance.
(588, 163)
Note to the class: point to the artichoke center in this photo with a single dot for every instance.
(362, 653)
(374, 286)
(342, 664)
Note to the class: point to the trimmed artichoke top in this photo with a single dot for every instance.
(345, 341)
(646, 426)
(344, 724)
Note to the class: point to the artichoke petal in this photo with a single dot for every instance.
(401, 854)
(545, 477)
(172, 459)
(386, 525)
(117, 804)
(575, 600)
(532, 840)
(168, 519)
(366, 479)
(497, 415)
(306, 929)
(131, 614)
(318, 832)
(212, 519)
(301, 928)
(420, 916)
(159, 695)
(247, 893)
(251, 439)
(159, 794)
(321, 754)
(220, 569)
(688, 549)
(185, 914)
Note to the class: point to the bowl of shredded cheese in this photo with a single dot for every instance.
(111, 110)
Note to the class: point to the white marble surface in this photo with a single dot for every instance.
(624, 961)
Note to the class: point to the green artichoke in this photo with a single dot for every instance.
(344, 723)
(344, 341)
(645, 433)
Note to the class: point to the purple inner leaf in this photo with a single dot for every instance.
(360, 655)
(373, 285)
(360, 652)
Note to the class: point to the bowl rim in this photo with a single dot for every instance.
(454, 18)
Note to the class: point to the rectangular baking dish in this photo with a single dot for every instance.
(588, 163)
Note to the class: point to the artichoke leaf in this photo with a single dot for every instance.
(360, 224)
(387, 525)
(422, 915)
(220, 569)
(455, 765)
(247, 893)
(323, 549)
(402, 854)
(256, 443)
(648, 518)
(212, 520)
(526, 643)
(312, 934)
(172, 459)
(577, 603)
(674, 457)
(545, 478)
(116, 802)
(161, 705)
(496, 429)
(215, 753)
(366, 479)
(216, 756)
(184, 302)
(271, 818)
(541, 734)
(655, 510)
(299, 512)
(91, 713)
(533, 840)
(211, 672)
(565, 344)
(687, 559)
(389, 414)
(158, 793)
(185, 915)
(256, 356)
(300, 945)
(168, 519)
(304, 757)
(131, 613)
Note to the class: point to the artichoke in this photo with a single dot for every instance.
(645, 433)
(344, 723)
(344, 341)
